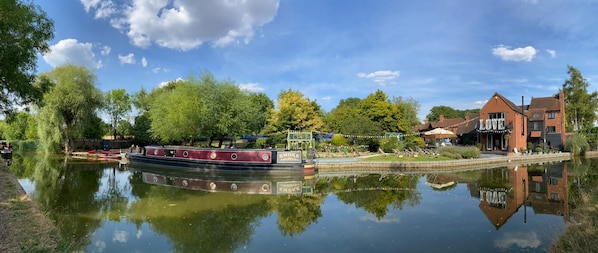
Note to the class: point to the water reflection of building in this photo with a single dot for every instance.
(502, 192)
(548, 191)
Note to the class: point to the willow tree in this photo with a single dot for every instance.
(67, 106)
(24, 34)
(175, 112)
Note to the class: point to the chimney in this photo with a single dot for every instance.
(441, 118)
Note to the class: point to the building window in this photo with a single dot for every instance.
(554, 181)
(551, 115)
(497, 115)
(554, 196)
(551, 129)
(535, 126)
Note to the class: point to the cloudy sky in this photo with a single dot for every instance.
(455, 53)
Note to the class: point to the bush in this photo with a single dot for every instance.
(577, 145)
(458, 152)
(390, 144)
(339, 140)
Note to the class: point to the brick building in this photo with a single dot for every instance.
(502, 125)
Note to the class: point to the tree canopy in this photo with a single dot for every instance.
(295, 112)
(117, 105)
(68, 106)
(580, 106)
(24, 34)
(448, 113)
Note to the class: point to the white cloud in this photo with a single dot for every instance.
(518, 54)
(120, 236)
(162, 84)
(326, 98)
(185, 24)
(105, 50)
(551, 52)
(252, 87)
(480, 102)
(127, 59)
(103, 8)
(71, 51)
(520, 239)
(144, 62)
(381, 76)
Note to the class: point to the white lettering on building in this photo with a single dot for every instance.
(492, 124)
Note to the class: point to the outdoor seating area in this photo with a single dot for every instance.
(408, 152)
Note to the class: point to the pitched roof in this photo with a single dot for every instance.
(549, 103)
(508, 102)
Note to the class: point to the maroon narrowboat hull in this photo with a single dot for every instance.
(222, 159)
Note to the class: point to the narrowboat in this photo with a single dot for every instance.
(193, 158)
(231, 182)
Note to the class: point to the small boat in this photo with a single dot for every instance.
(5, 150)
(6, 153)
(223, 159)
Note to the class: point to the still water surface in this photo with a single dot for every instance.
(105, 208)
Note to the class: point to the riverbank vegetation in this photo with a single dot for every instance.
(22, 227)
(582, 233)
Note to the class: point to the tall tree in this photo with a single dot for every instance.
(73, 99)
(176, 112)
(295, 112)
(261, 105)
(117, 105)
(24, 33)
(580, 106)
(408, 109)
(378, 108)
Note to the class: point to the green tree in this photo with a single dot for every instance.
(378, 108)
(142, 130)
(295, 112)
(446, 111)
(117, 105)
(347, 119)
(141, 100)
(95, 128)
(24, 34)
(67, 107)
(407, 110)
(20, 126)
(262, 106)
(176, 112)
(580, 106)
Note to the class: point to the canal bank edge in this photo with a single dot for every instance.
(444, 166)
(23, 228)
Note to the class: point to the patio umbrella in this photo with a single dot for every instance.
(439, 133)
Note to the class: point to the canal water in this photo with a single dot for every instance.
(105, 207)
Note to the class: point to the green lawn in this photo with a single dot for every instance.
(392, 158)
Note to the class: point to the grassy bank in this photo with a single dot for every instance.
(23, 228)
(582, 234)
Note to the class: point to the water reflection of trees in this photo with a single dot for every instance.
(375, 193)
(67, 193)
(221, 222)
(295, 213)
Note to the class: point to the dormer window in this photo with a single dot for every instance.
(536, 116)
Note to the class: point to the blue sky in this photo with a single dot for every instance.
(440, 52)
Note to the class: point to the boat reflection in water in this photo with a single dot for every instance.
(268, 183)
